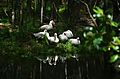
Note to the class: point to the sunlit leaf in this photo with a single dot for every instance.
(62, 9)
(116, 40)
(98, 10)
(115, 24)
(116, 48)
(114, 58)
(97, 42)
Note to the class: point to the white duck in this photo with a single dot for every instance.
(75, 41)
(68, 33)
(41, 34)
(54, 38)
(48, 26)
(63, 37)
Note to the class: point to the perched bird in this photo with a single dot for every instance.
(63, 37)
(54, 38)
(68, 33)
(41, 34)
(49, 26)
(75, 41)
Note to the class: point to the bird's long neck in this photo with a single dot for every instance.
(55, 37)
(50, 24)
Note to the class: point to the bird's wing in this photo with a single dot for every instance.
(51, 39)
(36, 34)
(63, 37)
(44, 26)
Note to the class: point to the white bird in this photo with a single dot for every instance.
(75, 41)
(48, 26)
(54, 38)
(68, 33)
(63, 37)
(41, 34)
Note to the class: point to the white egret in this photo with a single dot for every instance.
(48, 26)
(68, 33)
(53, 38)
(75, 41)
(63, 37)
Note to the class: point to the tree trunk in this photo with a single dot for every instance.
(42, 10)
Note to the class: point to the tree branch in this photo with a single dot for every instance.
(95, 23)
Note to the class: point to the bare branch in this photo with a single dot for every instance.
(95, 23)
(95, 3)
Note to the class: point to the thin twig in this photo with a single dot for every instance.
(95, 3)
(95, 23)
(54, 6)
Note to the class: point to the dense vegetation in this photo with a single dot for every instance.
(94, 21)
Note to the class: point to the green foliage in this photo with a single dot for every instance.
(114, 58)
(98, 11)
(4, 20)
(4, 33)
(62, 8)
(114, 45)
(116, 40)
(106, 19)
(110, 42)
(20, 42)
(67, 47)
(97, 42)
(114, 24)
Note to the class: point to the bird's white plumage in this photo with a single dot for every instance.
(54, 38)
(68, 33)
(48, 26)
(75, 41)
(41, 34)
(63, 37)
